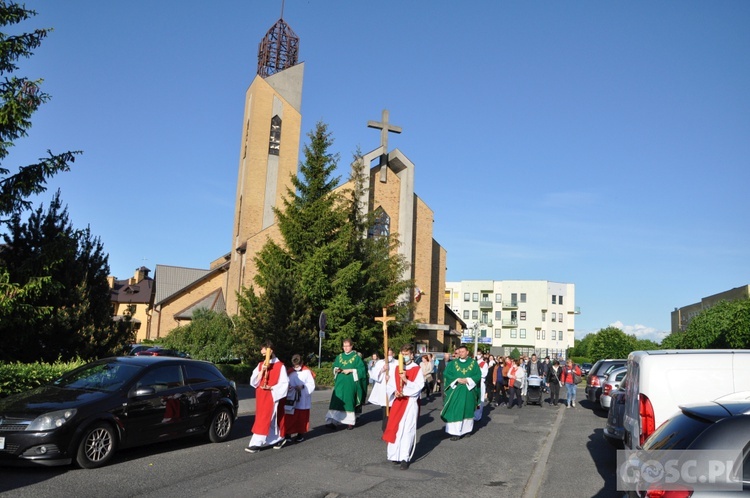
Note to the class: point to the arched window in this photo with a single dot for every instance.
(382, 226)
(274, 142)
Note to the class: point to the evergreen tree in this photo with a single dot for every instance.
(20, 97)
(325, 263)
(76, 302)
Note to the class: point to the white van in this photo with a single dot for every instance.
(660, 381)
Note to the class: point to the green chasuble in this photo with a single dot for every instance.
(459, 402)
(349, 395)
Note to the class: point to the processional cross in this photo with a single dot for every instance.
(385, 319)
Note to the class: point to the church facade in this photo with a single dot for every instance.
(268, 158)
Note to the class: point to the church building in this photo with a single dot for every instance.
(268, 157)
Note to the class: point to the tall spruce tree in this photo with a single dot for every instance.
(323, 264)
(77, 321)
(20, 97)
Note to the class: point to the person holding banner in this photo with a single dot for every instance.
(271, 384)
(349, 388)
(461, 380)
(380, 374)
(404, 389)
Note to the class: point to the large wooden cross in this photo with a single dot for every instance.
(384, 128)
(385, 319)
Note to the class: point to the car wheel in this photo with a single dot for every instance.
(97, 446)
(221, 425)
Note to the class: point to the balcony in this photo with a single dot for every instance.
(485, 305)
(510, 323)
(510, 305)
(576, 311)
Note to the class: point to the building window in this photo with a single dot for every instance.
(522, 334)
(485, 317)
(498, 298)
(382, 225)
(497, 315)
(466, 314)
(274, 142)
(559, 300)
(553, 316)
(513, 333)
(522, 315)
(554, 299)
(553, 335)
(475, 297)
(513, 299)
(523, 297)
(538, 334)
(474, 314)
(559, 317)
(544, 316)
(498, 333)
(543, 334)
(467, 296)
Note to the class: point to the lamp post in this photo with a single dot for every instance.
(475, 327)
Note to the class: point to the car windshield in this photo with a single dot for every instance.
(98, 377)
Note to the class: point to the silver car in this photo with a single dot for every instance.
(611, 383)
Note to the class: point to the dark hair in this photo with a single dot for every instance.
(348, 340)
(266, 344)
(407, 347)
(296, 360)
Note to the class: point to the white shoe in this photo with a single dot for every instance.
(574, 404)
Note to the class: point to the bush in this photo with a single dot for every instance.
(323, 375)
(20, 377)
(579, 360)
(240, 374)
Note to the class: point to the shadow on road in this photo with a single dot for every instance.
(605, 458)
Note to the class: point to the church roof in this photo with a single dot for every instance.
(171, 280)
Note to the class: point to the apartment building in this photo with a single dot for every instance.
(534, 316)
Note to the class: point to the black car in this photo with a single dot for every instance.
(90, 412)
(597, 375)
(715, 425)
(160, 351)
(614, 432)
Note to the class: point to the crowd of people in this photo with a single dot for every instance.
(399, 385)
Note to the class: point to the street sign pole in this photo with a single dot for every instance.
(322, 334)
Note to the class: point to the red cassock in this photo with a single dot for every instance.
(399, 405)
(264, 402)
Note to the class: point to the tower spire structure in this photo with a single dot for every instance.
(278, 50)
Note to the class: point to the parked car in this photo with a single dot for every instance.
(614, 432)
(597, 375)
(159, 351)
(585, 368)
(612, 382)
(714, 425)
(137, 348)
(660, 381)
(94, 410)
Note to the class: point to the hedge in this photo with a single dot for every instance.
(20, 377)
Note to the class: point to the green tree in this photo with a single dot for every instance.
(209, 336)
(20, 97)
(724, 325)
(324, 263)
(672, 341)
(581, 347)
(611, 342)
(645, 345)
(77, 311)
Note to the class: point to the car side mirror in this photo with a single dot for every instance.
(144, 391)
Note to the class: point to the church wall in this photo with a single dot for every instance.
(163, 321)
(386, 195)
(425, 309)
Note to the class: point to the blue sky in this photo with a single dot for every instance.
(605, 144)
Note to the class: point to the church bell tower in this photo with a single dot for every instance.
(269, 152)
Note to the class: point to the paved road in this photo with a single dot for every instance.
(534, 451)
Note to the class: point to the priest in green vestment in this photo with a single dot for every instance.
(349, 388)
(461, 379)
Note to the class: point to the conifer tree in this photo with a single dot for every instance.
(325, 263)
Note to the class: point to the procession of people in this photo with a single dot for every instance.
(284, 394)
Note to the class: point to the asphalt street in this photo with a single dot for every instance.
(528, 452)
